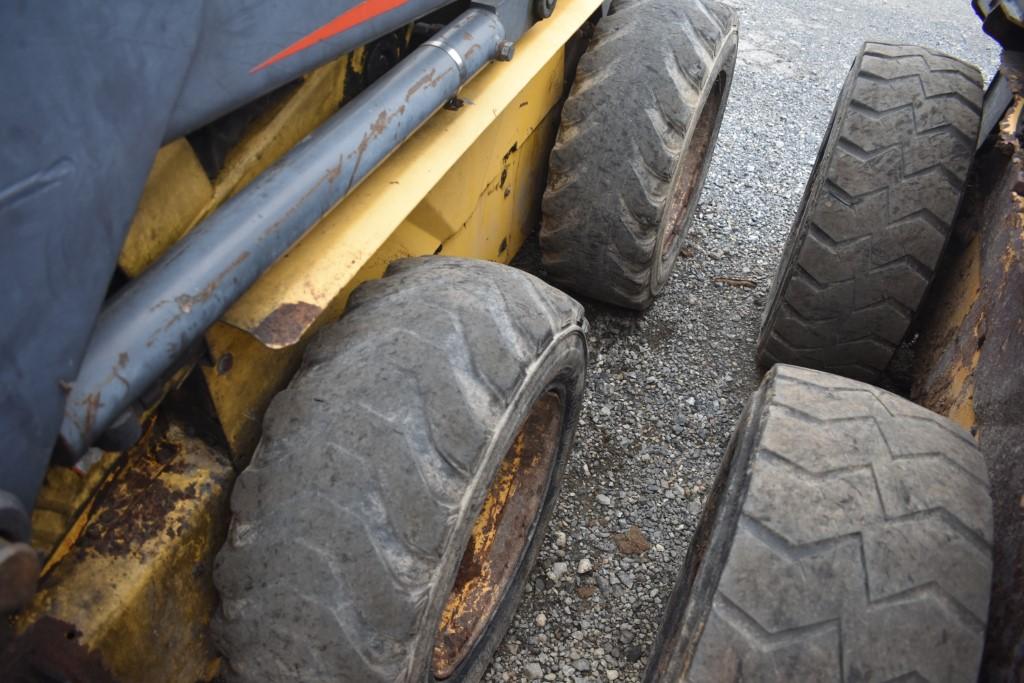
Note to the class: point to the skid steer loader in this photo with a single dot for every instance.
(248, 433)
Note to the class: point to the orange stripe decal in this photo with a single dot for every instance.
(364, 11)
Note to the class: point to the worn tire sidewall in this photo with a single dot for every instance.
(808, 203)
(725, 65)
(561, 367)
(690, 602)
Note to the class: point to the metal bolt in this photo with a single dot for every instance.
(224, 364)
(506, 49)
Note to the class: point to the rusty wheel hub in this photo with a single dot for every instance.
(501, 535)
(688, 175)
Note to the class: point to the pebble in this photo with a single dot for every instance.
(585, 566)
(534, 671)
(603, 499)
(541, 619)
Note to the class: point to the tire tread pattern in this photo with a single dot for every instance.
(863, 547)
(365, 465)
(879, 210)
(623, 128)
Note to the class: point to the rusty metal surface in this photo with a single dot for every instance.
(457, 149)
(969, 365)
(690, 173)
(133, 576)
(501, 535)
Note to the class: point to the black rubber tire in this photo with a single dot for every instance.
(847, 537)
(350, 522)
(638, 128)
(876, 212)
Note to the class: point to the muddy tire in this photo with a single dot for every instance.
(847, 537)
(449, 387)
(636, 137)
(876, 213)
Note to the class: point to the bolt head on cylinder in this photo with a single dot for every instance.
(506, 49)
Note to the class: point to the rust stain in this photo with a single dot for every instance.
(135, 506)
(286, 324)
(377, 128)
(500, 536)
(1009, 124)
(970, 364)
(951, 348)
(334, 172)
(425, 79)
(187, 301)
(92, 405)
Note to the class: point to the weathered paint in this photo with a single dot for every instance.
(501, 535)
(136, 584)
(67, 491)
(65, 494)
(133, 580)
(969, 365)
(951, 340)
(483, 206)
(178, 193)
(142, 332)
(317, 270)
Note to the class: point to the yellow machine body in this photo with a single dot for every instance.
(131, 543)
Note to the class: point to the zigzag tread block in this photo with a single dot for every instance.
(880, 207)
(832, 576)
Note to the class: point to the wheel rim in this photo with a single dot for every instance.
(501, 535)
(688, 176)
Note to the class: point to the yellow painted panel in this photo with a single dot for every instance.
(509, 209)
(325, 261)
(280, 129)
(137, 584)
(65, 493)
(483, 207)
(241, 388)
(244, 377)
(176, 191)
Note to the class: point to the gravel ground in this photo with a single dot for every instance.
(666, 387)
